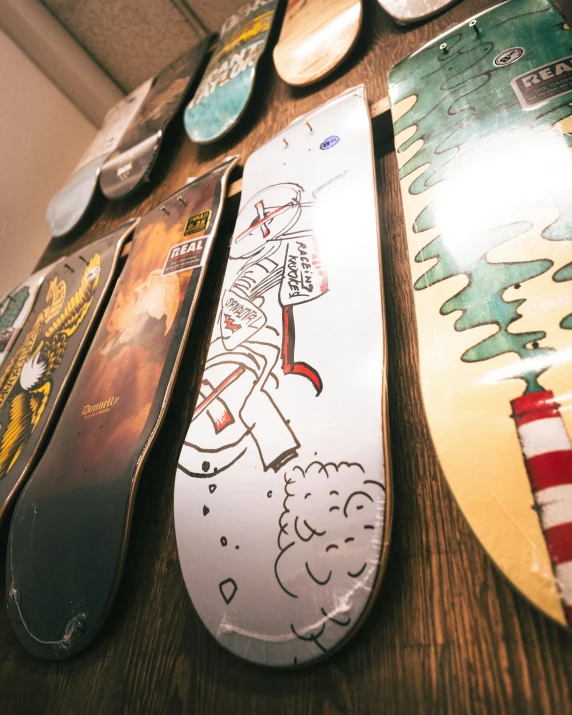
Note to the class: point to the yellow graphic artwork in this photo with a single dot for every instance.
(25, 384)
(257, 26)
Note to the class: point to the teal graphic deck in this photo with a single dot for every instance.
(225, 90)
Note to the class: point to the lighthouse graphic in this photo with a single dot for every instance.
(547, 452)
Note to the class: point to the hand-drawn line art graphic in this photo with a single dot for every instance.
(281, 266)
(330, 513)
(26, 381)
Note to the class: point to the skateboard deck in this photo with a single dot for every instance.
(225, 90)
(41, 365)
(281, 511)
(132, 161)
(407, 11)
(316, 36)
(69, 205)
(70, 528)
(483, 123)
(15, 307)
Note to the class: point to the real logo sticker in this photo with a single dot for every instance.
(185, 256)
(541, 84)
(509, 56)
(198, 223)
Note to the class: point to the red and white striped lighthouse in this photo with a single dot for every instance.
(547, 453)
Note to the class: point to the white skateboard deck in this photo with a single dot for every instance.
(281, 510)
(15, 307)
(69, 205)
(407, 11)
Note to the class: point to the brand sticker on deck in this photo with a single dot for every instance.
(509, 56)
(541, 84)
(198, 223)
(185, 256)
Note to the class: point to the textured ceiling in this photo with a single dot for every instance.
(134, 39)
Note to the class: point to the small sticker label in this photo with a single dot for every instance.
(543, 83)
(124, 171)
(509, 56)
(198, 223)
(92, 274)
(329, 142)
(185, 256)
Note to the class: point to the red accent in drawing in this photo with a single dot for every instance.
(234, 375)
(259, 206)
(289, 365)
(547, 456)
(230, 324)
(262, 220)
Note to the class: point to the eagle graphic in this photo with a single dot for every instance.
(26, 383)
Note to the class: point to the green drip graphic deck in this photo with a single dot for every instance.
(483, 130)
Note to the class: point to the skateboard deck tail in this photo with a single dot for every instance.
(483, 132)
(69, 533)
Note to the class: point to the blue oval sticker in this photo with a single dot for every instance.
(329, 142)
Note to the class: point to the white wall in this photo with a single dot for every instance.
(42, 136)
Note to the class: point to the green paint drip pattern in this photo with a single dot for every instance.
(463, 99)
(14, 308)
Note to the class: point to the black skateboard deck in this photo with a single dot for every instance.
(69, 206)
(132, 161)
(34, 378)
(69, 533)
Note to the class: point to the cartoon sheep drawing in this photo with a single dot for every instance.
(329, 540)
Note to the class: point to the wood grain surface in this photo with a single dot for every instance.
(447, 633)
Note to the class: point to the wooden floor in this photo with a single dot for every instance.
(447, 634)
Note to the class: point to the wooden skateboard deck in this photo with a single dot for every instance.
(132, 161)
(407, 11)
(15, 307)
(281, 510)
(316, 36)
(224, 92)
(69, 532)
(483, 126)
(41, 365)
(69, 205)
